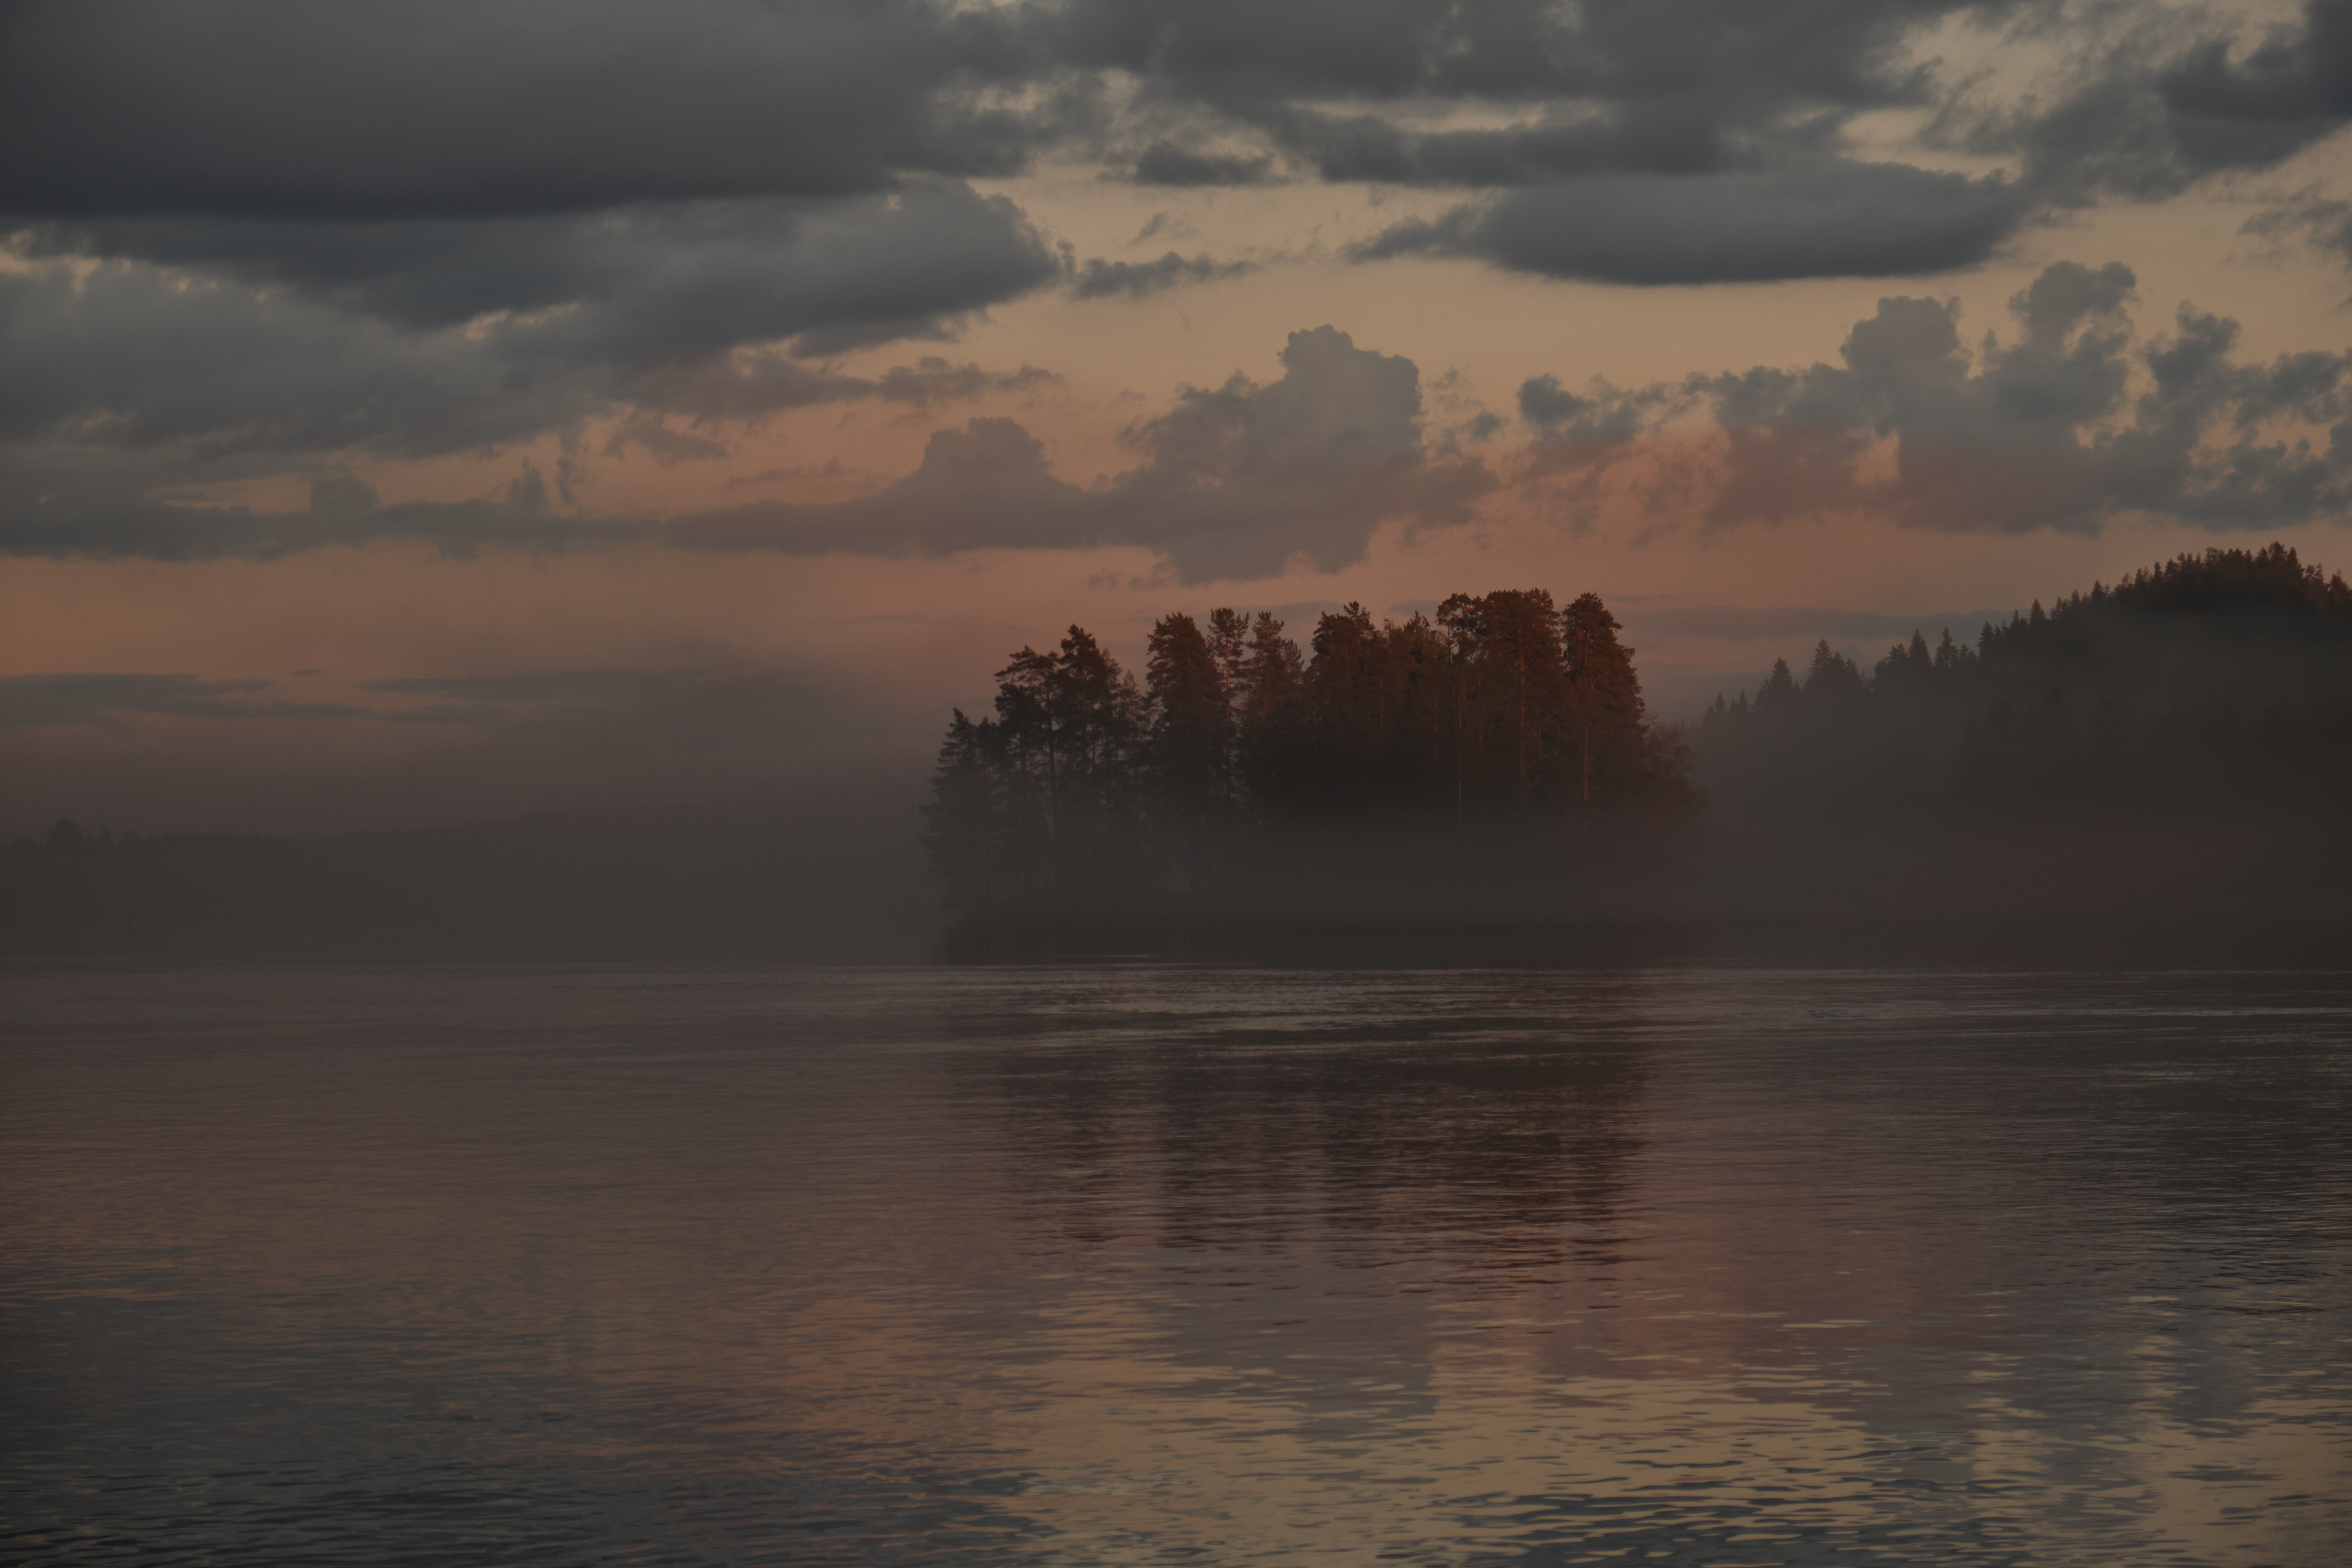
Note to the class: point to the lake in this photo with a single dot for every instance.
(1123, 1264)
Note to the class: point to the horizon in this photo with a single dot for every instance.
(1044, 782)
(396, 468)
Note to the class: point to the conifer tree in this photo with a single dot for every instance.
(963, 823)
(1266, 698)
(1611, 734)
(1189, 748)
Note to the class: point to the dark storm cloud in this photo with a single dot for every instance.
(679, 278)
(509, 331)
(2154, 99)
(1233, 480)
(489, 107)
(284, 109)
(2167, 103)
(425, 228)
(1749, 59)
(290, 116)
(126, 356)
(1825, 218)
(279, 229)
(619, 290)
(1100, 280)
(2066, 423)
(1166, 163)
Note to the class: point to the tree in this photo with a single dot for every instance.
(1615, 763)
(1081, 790)
(1266, 699)
(964, 822)
(1190, 747)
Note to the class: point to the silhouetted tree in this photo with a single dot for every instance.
(1617, 765)
(1082, 790)
(1188, 756)
(2217, 681)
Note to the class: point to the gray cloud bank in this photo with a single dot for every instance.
(2066, 423)
(1819, 219)
(1233, 480)
(311, 338)
(256, 238)
(283, 141)
(2067, 420)
(489, 108)
(1100, 280)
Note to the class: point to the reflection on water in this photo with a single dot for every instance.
(1102, 1265)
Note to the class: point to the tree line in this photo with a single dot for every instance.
(1085, 785)
(2213, 683)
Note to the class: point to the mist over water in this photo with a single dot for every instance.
(1133, 1263)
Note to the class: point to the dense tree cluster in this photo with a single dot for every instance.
(1084, 788)
(2221, 681)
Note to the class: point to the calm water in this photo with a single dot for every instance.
(1220, 1265)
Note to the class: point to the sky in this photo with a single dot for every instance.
(422, 413)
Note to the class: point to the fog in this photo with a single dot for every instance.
(829, 871)
(2156, 770)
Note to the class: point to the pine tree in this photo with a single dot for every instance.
(1189, 750)
(963, 823)
(1266, 698)
(1611, 735)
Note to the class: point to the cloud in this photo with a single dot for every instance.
(284, 232)
(229, 344)
(489, 107)
(932, 380)
(281, 139)
(75, 508)
(125, 356)
(2068, 423)
(2158, 100)
(2325, 225)
(1823, 218)
(1165, 164)
(1232, 482)
(1745, 59)
(1100, 280)
(510, 302)
(1680, 136)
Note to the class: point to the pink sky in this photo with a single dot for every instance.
(581, 443)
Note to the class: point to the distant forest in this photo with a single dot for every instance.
(2212, 685)
(2181, 737)
(1086, 793)
(2174, 749)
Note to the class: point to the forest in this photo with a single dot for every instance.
(1087, 796)
(2177, 746)
(2210, 685)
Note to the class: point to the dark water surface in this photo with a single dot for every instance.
(1129, 1265)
